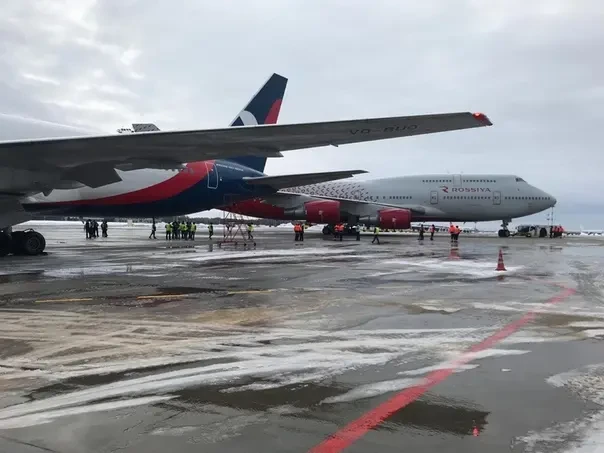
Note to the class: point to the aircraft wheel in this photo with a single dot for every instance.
(5, 244)
(503, 233)
(32, 243)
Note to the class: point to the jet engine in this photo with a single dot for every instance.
(320, 211)
(394, 219)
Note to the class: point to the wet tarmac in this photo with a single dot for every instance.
(135, 345)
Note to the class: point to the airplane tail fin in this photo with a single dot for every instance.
(262, 109)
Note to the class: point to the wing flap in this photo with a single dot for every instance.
(284, 181)
(262, 141)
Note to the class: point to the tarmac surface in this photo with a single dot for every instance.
(127, 344)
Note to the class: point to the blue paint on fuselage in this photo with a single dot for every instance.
(200, 197)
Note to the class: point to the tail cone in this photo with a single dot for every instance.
(500, 265)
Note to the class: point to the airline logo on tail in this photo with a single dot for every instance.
(264, 107)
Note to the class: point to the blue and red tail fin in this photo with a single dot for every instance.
(262, 109)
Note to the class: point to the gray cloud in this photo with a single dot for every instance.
(533, 67)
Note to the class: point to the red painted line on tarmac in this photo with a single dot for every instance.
(359, 427)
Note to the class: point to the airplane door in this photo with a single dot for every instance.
(434, 197)
(457, 180)
(496, 197)
(212, 175)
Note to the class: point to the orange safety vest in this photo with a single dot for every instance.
(296, 228)
(452, 229)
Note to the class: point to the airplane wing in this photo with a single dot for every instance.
(107, 152)
(350, 202)
(283, 181)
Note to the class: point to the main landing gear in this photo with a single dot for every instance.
(27, 242)
(504, 232)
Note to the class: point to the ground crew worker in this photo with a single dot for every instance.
(457, 231)
(297, 232)
(104, 227)
(357, 228)
(421, 233)
(168, 231)
(452, 232)
(302, 228)
(376, 232)
(210, 230)
(153, 229)
(193, 230)
(183, 230)
(250, 230)
(432, 230)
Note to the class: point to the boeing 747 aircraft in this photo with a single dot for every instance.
(142, 175)
(396, 202)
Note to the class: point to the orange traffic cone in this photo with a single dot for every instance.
(500, 265)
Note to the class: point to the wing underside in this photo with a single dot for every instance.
(284, 181)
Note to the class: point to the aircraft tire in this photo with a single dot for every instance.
(503, 233)
(32, 243)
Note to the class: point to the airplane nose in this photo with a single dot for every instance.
(551, 200)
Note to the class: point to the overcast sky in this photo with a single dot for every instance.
(534, 67)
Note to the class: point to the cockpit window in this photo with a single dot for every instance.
(519, 179)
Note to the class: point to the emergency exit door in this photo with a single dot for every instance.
(434, 197)
(212, 175)
(496, 197)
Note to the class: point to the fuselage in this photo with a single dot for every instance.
(461, 198)
(198, 186)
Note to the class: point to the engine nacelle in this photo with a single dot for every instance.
(392, 219)
(319, 211)
(322, 211)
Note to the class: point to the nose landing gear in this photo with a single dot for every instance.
(504, 232)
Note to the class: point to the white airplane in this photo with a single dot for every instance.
(59, 170)
(396, 202)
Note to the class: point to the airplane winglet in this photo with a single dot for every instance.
(482, 118)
